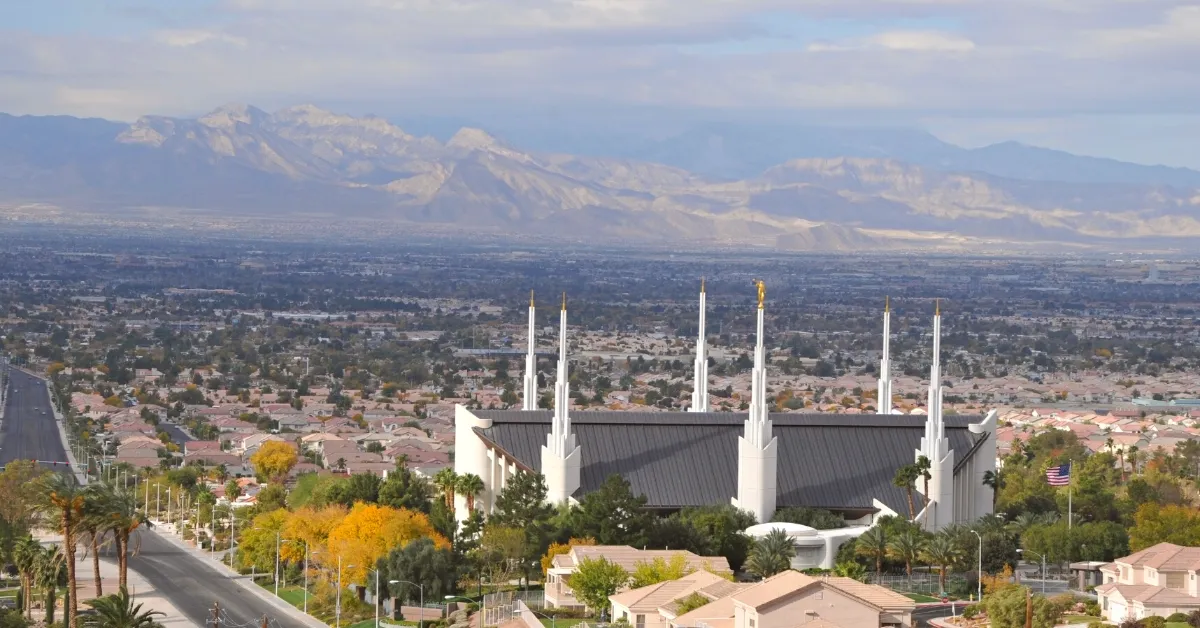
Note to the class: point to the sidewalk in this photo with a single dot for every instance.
(140, 589)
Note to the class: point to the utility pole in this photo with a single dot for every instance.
(264, 621)
(216, 615)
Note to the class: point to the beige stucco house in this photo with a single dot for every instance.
(794, 599)
(558, 577)
(1160, 580)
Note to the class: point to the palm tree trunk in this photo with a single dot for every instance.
(878, 568)
(470, 502)
(96, 565)
(122, 559)
(926, 481)
(26, 591)
(69, 549)
(51, 600)
(942, 579)
(911, 514)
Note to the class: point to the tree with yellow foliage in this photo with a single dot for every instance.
(311, 527)
(369, 532)
(273, 460)
(557, 549)
(256, 545)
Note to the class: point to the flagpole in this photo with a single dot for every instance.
(1070, 486)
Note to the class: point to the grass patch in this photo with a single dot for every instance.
(561, 623)
(919, 598)
(1078, 619)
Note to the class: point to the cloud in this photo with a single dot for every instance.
(906, 41)
(186, 38)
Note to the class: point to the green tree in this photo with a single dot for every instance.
(646, 573)
(1006, 608)
(906, 479)
(941, 551)
(25, 557)
(421, 562)
(816, 518)
(771, 554)
(906, 548)
(124, 517)
(446, 481)
(405, 489)
(49, 574)
(469, 486)
(594, 580)
(873, 544)
(522, 504)
(62, 502)
(718, 530)
(1155, 524)
(613, 515)
(690, 603)
(120, 611)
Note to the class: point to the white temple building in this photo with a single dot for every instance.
(757, 460)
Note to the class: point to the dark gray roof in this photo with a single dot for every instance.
(836, 461)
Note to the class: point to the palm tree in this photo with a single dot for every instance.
(1134, 458)
(906, 478)
(941, 551)
(94, 524)
(923, 471)
(25, 554)
(1121, 460)
(469, 485)
(771, 554)
(49, 574)
(993, 480)
(873, 544)
(124, 517)
(62, 501)
(907, 548)
(851, 569)
(119, 611)
(447, 481)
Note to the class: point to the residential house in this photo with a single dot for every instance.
(1159, 580)
(196, 446)
(640, 607)
(792, 598)
(558, 577)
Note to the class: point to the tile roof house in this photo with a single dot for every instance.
(1160, 580)
(558, 577)
(640, 607)
(791, 598)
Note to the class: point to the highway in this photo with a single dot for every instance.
(29, 432)
(187, 580)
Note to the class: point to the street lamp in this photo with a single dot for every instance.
(377, 593)
(1021, 551)
(449, 598)
(979, 595)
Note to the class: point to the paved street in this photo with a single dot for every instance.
(29, 431)
(190, 583)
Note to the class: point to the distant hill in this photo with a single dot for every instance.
(805, 189)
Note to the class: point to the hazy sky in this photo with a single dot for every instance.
(1117, 78)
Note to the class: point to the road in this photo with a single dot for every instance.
(178, 436)
(923, 614)
(188, 581)
(29, 432)
(192, 584)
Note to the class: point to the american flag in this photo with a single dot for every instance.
(1059, 476)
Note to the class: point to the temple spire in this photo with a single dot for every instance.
(530, 382)
(700, 386)
(757, 447)
(934, 445)
(884, 397)
(560, 454)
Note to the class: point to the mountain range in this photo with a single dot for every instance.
(801, 188)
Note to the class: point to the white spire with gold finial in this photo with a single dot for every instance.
(530, 400)
(883, 399)
(935, 447)
(757, 446)
(560, 454)
(700, 387)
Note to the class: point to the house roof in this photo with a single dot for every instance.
(628, 557)
(690, 458)
(650, 598)
(1165, 557)
(781, 584)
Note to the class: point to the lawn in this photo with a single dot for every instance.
(561, 623)
(917, 597)
(1078, 619)
(292, 595)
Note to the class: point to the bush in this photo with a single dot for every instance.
(1098, 624)
(1154, 621)
(1092, 607)
(971, 611)
(1178, 618)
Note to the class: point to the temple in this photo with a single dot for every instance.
(757, 460)
(883, 398)
(529, 402)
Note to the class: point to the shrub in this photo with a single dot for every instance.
(1154, 621)
(1178, 618)
(971, 611)
(1098, 624)
(1092, 607)
(1194, 619)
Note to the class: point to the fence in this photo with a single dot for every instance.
(922, 583)
(503, 606)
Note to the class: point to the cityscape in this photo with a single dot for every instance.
(599, 314)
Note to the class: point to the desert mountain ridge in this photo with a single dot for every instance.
(306, 161)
